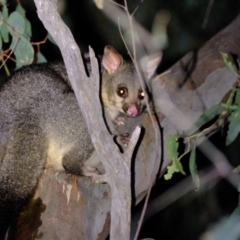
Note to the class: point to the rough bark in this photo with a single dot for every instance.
(195, 83)
(180, 95)
(117, 166)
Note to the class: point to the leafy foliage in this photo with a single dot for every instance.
(227, 62)
(207, 116)
(234, 126)
(172, 148)
(16, 32)
(227, 113)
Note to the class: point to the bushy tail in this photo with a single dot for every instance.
(21, 165)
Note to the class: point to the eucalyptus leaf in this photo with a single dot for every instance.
(40, 58)
(28, 29)
(28, 26)
(179, 167)
(234, 117)
(17, 24)
(172, 147)
(234, 126)
(237, 98)
(23, 52)
(14, 43)
(174, 168)
(228, 63)
(170, 170)
(21, 10)
(4, 28)
(207, 116)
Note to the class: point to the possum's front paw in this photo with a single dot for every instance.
(89, 171)
(119, 120)
(123, 139)
(94, 173)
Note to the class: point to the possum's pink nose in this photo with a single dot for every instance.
(132, 111)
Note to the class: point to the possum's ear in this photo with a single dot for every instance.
(111, 60)
(150, 63)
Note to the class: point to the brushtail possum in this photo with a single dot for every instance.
(41, 125)
(122, 95)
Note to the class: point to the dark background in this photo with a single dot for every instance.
(91, 27)
(196, 212)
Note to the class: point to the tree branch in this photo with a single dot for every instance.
(117, 165)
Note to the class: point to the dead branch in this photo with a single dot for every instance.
(117, 165)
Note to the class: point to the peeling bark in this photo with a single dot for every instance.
(195, 83)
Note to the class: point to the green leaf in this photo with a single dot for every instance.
(234, 118)
(170, 171)
(232, 96)
(179, 167)
(204, 118)
(175, 167)
(172, 150)
(193, 168)
(40, 58)
(3, 28)
(234, 126)
(23, 51)
(228, 63)
(172, 147)
(17, 23)
(21, 10)
(14, 43)
(237, 98)
(28, 26)
(28, 29)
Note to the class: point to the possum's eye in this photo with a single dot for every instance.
(141, 94)
(122, 92)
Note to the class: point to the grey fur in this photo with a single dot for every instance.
(39, 120)
(41, 125)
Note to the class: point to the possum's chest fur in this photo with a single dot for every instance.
(40, 118)
(55, 155)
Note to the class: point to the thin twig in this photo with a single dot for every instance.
(4, 62)
(134, 11)
(133, 58)
(206, 18)
(117, 4)
(40, 42)
(156, 129)
(123, 39)
(132, 33)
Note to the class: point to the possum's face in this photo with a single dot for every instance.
(127, 94)
(121, 88)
